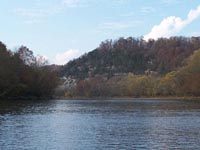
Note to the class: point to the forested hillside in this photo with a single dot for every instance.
(133, 55)
(134, 68)
(22, 75)
(183, 82)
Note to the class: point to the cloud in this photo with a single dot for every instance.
(32, 21)
(148, 9)
(172, 25)
(113, 28)
(41, 60)
(40, 9)
(118, 25)
(129, 14)
(63, 58)
(71, 3)
(86, 3)
(120, 1)
(35, 14)
(115, 25)
(195, 34)
(169, 2)
(31, 12)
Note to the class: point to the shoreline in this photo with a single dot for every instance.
(188, 98)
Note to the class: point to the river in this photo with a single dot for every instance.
(99, 125)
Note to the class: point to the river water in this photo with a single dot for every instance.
(100, 125)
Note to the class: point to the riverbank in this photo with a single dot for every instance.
(191, 98)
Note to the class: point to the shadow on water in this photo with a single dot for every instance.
(23, 106)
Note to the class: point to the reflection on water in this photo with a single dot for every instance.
(99, 124)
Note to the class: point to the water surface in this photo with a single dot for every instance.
(99, 124)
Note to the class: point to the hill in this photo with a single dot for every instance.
(133, 55)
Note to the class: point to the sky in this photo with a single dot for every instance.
(62, 30)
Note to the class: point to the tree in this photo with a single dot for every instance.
(27, 56)
(167, 85)
(188, 76)
(22, 77)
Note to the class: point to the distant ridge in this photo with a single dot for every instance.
(133, 55)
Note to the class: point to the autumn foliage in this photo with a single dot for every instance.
(133, 55)
(134, 67)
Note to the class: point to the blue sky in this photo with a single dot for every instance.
(62, 30)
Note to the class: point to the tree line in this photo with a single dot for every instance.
(23, 76)
(184, 81)
(120, 68)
